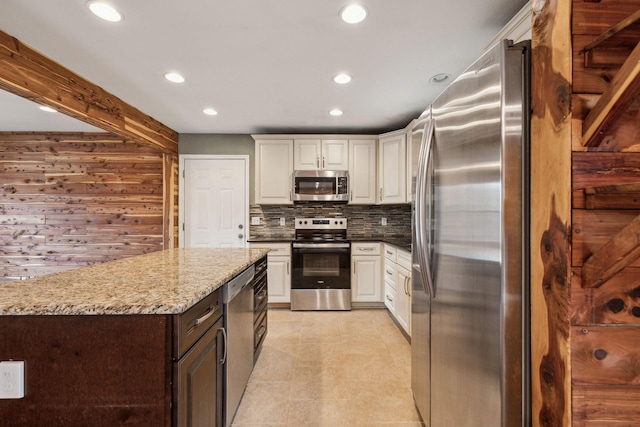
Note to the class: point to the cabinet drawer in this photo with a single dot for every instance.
(259, 332)
(390, 252)
(390, 274)
(194, 322)
(390, 296)
(365, 248)
(404, 259)
(277, 249)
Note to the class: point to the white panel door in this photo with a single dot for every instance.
(215, 203)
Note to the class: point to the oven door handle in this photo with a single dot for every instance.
(321, 245)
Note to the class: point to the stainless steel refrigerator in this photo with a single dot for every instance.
(470, 305)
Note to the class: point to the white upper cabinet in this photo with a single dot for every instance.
(362, 171)
(321, 154)
(414, 141)
(392, 168)
(274, 166)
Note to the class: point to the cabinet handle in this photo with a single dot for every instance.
(290, 198)
(389, 298)
(200, 320)
(261, 332)
(354, 268)
(322, 162)
(389, 273)
(365, 249)
(224, 340)
(352, 195)
(261, 296)
(288, 267)
(381, 193)
(318, 161)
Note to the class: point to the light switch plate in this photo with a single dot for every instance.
(255, 220)
(282, 221)
(11, 379)
(383, 221)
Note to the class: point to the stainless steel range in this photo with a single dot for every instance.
(321, 265)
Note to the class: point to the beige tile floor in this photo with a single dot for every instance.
(333, 369)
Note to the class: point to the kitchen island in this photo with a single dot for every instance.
(105, 344)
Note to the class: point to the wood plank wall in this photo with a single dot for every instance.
(71, 200)
(605, 321)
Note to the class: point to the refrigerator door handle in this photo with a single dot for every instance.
(423, 202)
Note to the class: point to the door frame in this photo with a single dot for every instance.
(181, 190)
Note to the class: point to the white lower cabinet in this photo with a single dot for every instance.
(365, 272)
(397, 277)
(278, 271)
(403, 302)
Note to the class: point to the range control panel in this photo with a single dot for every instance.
(321, 223)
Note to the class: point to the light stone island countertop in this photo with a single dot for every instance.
(163, 282)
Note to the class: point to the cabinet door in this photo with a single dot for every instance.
(279, 278)
(335, 155)
(365, 279)
(403, 299)
(307, 154)
(199, 382)
(391, 170)
(362, 171)
(274, 166)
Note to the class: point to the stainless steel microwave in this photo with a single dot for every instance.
(325, 186)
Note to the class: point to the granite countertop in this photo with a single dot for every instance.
(163, 282)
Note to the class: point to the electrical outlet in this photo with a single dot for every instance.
(11, 380)
(255, 220)
(282, 222)
(383, 221)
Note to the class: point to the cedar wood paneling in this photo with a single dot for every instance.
(605, 333)
(71, 200)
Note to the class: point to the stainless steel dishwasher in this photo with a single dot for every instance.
(238, 324)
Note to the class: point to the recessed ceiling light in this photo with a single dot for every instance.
(47, 109)
(104, 11)
(353, 13)
(335, 112)
(342, 78)
(174, 77)
(210, 112)
(439, 78)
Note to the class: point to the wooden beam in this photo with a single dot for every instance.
(614, 256)
(27, 73)
(630, 20)
(550, 202)
(618, 196)
(623, 90)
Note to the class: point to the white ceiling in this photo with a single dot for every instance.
(265, 66)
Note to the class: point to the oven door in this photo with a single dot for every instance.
(321, 266)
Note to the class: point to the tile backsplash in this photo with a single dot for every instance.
(364, 221)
